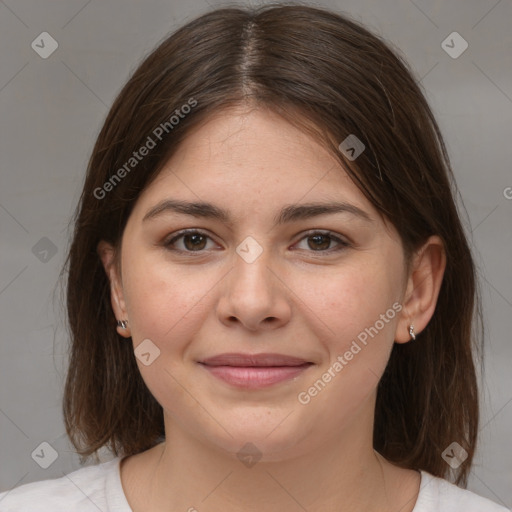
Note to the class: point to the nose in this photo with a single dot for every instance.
(254, 294)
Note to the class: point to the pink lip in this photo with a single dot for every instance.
(254, 377)
(253, 371)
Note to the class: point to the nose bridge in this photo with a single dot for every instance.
(250, 294)
(251, 265)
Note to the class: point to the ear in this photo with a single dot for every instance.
(107, 252)
(423, 286)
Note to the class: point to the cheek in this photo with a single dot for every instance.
(345, 303)
(166, 302)
(356, 340)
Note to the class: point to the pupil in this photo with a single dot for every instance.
(196, 238)
(317, 237)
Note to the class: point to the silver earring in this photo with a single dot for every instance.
(122, 323)
(411, 332)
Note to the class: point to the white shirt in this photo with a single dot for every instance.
(98, 488)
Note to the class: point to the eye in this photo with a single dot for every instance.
(195, 241)
(321, 240)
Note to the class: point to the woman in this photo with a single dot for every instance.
(270, 292)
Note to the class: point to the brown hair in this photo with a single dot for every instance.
(331, 77)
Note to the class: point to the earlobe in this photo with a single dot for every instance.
(423, 287)
(106, 252)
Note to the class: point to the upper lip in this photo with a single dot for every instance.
(234, 359)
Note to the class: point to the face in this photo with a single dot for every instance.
(324, 289)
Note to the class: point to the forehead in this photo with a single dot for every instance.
(253, 156)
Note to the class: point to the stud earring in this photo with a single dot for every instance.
(411, 332)
(122, 323)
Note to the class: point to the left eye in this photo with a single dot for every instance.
(323, 239)
(195, 241)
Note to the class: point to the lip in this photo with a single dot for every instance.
(246, 360)
(254, 371)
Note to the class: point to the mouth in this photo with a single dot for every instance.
(254, 371)
(254, 360)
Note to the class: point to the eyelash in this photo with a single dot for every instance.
(342, 244)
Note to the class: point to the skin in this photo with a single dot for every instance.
(293, 299)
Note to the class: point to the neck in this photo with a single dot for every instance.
(341, 474)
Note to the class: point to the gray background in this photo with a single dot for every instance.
(52, 109)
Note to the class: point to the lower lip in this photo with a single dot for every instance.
(251, 377)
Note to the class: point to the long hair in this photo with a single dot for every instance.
(331, 77)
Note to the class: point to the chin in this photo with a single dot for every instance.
(261, 440)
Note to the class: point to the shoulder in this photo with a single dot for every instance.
(86, 489)
(439, 495)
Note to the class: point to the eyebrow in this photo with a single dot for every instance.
(289, 213)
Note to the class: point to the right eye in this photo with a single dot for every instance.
(193, 241)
